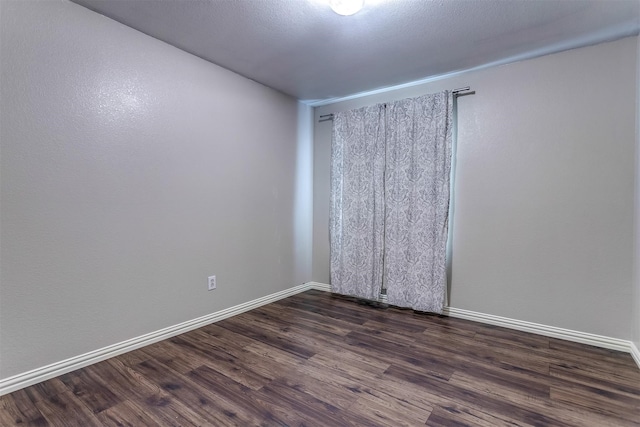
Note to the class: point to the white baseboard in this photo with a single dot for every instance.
(534, 328)
(546, 330)
(37, 375)
(635, 353)
(44, 373)
(319, 286)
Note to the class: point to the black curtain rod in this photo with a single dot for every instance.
(461, 91)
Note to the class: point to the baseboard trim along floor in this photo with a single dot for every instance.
(35, 376)
(26, 379)
(635, 353)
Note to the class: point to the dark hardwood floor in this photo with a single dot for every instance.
(320, 360)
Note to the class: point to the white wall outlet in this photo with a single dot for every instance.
(212, 282)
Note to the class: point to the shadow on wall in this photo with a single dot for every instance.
(303, 196)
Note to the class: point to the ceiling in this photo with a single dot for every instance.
(304, 49)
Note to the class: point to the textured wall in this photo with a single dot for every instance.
(636, 257)
(130, 171)
(544, 188)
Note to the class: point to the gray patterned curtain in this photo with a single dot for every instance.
(357, 211)
(390, 178)
(418, 166)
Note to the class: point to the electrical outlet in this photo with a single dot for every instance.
(212, 282)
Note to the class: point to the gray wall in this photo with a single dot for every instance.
(544, 188)
(130, 171)
(636, 257)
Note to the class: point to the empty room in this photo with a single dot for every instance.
(319, 213)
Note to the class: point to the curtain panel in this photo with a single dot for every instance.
(417, 183)
(356, 219)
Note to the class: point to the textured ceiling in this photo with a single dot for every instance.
(304, 49)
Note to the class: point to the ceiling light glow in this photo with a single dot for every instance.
(346, 7)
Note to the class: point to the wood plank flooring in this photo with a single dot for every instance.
(315, 359)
